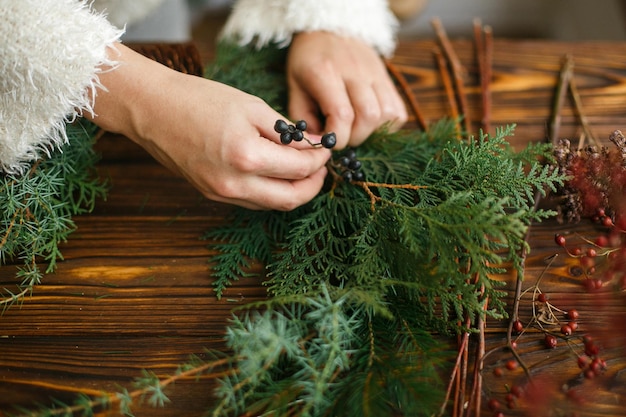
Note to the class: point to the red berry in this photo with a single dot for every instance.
(607, 221)
(497, 372)
(516, 390)
(589, 374)
(592, 253)
(596, 366)
(587, 262)
(566, 330)
(518, 327)
(542, 298)
(602, 241)
(511, 364)
(559, 240)
(573, 325)
(591, 350)
(550, 341)
(493, 404)
(573, 314)
(582, 362)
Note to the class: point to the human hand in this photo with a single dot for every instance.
(346, 82)
(219, 138)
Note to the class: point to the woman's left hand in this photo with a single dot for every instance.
(340, 84)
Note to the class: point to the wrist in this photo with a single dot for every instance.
(129, 94)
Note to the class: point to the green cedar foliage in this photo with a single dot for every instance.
(415, 249)
(36, 208)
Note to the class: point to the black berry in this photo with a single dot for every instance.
(297, 135)
(344, 161)
(358, 176)
(329, 140)
(281, 126)
(301, 125)
(354, 164)
(285, 138)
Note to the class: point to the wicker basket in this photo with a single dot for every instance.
(183, 57)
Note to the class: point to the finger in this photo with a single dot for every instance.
(303, 107)
(264, 193)
(393, 108)
(264, 157)
(286, 195)
(366, 109)
(329, 92)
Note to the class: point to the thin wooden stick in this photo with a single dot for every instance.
(483, 39)
(457, 70)
(487, 78)
(562, 87)
(579, 111)
(448, 88)
(477, 387)
(453, 376)
(463, 382)
(408, 94)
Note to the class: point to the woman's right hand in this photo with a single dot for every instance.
(217, 137)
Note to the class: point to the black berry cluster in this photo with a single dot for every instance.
(295, 133)
(350, 166)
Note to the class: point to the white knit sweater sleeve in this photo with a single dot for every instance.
(275, 21)
(51, 52)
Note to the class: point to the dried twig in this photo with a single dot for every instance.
(578, 105)
(448, 88)
(457, 70)
(562, 86)
(408, 94)
(483, 38)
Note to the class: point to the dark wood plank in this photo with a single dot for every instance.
(134, 291)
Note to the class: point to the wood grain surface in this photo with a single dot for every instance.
(134, 291)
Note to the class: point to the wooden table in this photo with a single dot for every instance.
(134, 291)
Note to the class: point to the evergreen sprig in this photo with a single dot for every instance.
(436, 243)
(322, 355)
(36, 208)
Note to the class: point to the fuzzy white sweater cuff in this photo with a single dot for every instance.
(275, 21)
(50, 56)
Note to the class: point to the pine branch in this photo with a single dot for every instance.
(37, 208)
